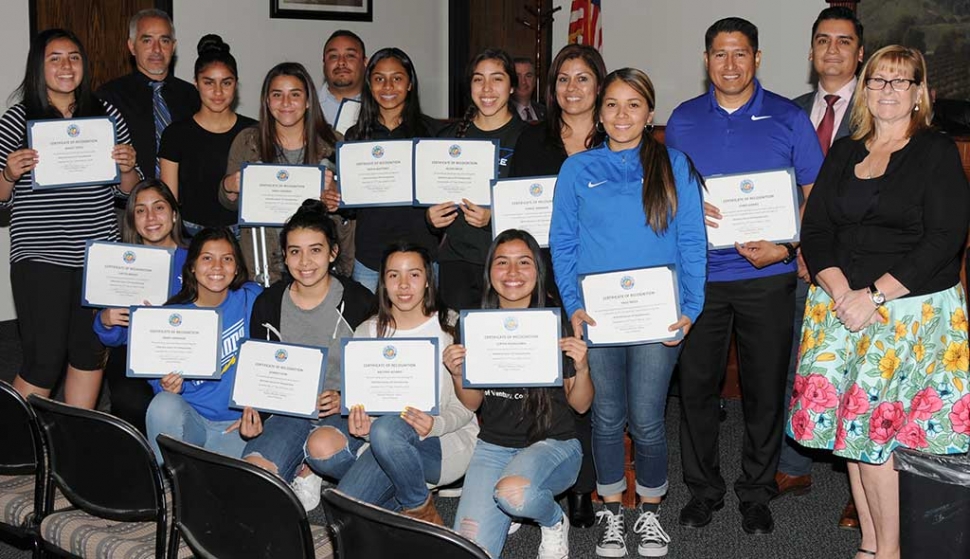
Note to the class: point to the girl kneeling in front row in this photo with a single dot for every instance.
(527, 451)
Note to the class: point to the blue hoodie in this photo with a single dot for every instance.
(598, 224)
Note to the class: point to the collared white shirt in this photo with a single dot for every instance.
(841, 106)
(331, 104)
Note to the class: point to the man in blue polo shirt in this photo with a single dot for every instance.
(738, 127)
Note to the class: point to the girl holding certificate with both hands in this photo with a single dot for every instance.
(197, 411)
(311, 306)
(630, 203)
(49, 228)
(467, 228)
(409, 451)
(291, 131)
(152, 219)
(527, 450)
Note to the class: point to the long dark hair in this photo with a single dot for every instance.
(129, 234)
(213, 50)
(554, 123)
(318, 137)
(538, 401)
(431, 301)
(412, 123)
(312, 214)
(488, 54)
(659, 192)
(33, 90)
(190, 286)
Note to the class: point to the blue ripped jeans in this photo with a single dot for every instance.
(485, 512)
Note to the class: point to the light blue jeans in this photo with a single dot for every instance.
(365, 276)
(283, 441)
(631, 392)
(485, 513)
(171, 415)
(392, 472)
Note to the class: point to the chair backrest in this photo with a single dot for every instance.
(102, 464)
(22, 445)
(226, 507)
(361, 530)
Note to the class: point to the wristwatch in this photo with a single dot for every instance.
(792, 253)
(878, 298)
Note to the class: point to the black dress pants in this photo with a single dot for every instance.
(760, 313)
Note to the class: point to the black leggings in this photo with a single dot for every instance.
(129, 396)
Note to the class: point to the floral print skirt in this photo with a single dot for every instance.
(902, 383)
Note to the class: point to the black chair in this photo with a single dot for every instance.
(361, 530)
(21, 466)
(107, 470)
(226, 507)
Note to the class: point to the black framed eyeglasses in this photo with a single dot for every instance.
(898, 84)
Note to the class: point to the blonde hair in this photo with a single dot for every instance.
(891, 58)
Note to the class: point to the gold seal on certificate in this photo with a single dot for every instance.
(121, 275)
(754, 206)
(270, 194)
(385, 375)
(73, 152)
(511, 348)
(279, 378)
(375, 173)
(631, 306)
(524, 203)
(449, 170)
(183, 340)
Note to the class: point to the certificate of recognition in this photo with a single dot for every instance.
(375, 173)
(183, 340)
(347, 115)
(270, 194)
(279, 378)
(511, 348)
(524, 203)
(754, 206)
(121, 275)
(73, 152)
(450, 170)
(385, 375)
(631, 306)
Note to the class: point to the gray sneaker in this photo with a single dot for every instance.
(612, 542)
(653, 539)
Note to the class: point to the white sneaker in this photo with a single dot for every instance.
(653, 539)
(612, 542)
(307, 490)
(555, 541)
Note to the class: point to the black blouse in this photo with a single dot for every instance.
(911, 222)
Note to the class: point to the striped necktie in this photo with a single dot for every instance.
(163, 117)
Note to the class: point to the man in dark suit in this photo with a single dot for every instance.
(151, 97)
(836, 53)
(523, 98)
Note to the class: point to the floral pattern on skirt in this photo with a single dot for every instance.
(902, 383)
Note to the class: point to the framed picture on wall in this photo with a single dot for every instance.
(347, 10)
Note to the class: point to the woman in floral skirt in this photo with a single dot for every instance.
(884, 356)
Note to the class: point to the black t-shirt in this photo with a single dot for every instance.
(463, 242)
(503, 411)
(536, 155)
(201, 156)
(378, 227)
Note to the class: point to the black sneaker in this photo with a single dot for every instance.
(612, 542)
(653, 539)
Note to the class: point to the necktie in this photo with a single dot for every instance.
(827, 126)
(528, 114)
(163, 117)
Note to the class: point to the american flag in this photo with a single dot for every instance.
(585, 27)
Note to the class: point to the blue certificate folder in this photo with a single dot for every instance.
(509, 327)
(625, 283)
(386, 353)
(176, 320)
(282, 176)
(377, 153)
(73, 131)
(127, 257)
(752, 185)
(283, 356)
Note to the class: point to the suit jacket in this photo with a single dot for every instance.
(805, 102)
(538, 109)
